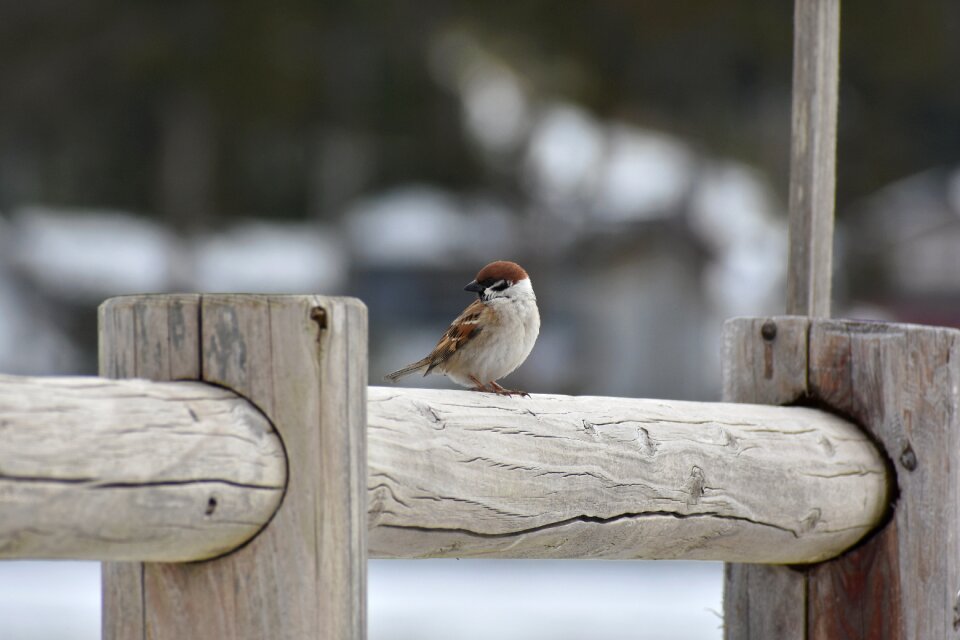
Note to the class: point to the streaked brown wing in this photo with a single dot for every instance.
(461, 331)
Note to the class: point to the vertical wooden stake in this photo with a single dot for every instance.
(303, 361)
(816, 63)
(764, 362)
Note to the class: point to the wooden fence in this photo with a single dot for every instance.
(285, 472)
(235, 472)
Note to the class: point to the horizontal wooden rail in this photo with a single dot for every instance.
(92, 468)
(462, 474)
(176, 471)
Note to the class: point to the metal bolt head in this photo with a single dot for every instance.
(769, 330)
(908, 459)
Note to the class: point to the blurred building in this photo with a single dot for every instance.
(637, 254)
(901, 250)
(58, 265)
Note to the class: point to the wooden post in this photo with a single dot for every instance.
(901, 383)
(302, 360)
(816, 55)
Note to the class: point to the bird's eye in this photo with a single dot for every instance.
(500, 285)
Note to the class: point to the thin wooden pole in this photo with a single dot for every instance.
(301, 360)
(816, 56)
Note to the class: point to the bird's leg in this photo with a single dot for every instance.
(500, 391)
(480, 386)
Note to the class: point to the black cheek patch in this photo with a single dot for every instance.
(500, 285)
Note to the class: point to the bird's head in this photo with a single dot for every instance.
(501, 279)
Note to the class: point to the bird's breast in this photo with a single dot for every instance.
(503, 345)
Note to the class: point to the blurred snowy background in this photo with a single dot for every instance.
(632, 155)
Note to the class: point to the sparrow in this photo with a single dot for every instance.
(492, 337)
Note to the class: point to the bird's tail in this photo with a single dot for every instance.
(407, 370)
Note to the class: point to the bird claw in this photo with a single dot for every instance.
(496, 388)
(501, 391)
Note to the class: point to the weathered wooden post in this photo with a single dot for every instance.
(303, 361)
(901, 383)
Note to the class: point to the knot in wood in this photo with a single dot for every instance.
(695, 485)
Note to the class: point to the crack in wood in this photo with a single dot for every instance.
(591, 520)
(70, 481)
(175, 483)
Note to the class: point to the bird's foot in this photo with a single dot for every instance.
(501, 391)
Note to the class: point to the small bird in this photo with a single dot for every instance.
(492, 337)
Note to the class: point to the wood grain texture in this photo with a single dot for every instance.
(106, 469)
(122, 614)
(302, 360)
(464, 474)
(765, 361)
(152, 337)
(816, 56)
(158, 338)
(901, 383)
(763, 602)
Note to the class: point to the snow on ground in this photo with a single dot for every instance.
(436, 600)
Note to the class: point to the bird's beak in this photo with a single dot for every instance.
(473, 286)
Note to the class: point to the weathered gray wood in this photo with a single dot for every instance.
(764, 360)
(101, 469)
(122, 605)
(755, 598)
(464, 474)
(816, 56)
(302, 360)
(452, 473)
(902, 383)
(154, 337)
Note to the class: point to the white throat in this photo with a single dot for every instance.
(522, 288)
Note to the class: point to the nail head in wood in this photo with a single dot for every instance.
(769, 330)
(908, 459)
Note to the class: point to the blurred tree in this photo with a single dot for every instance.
(194, 110)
